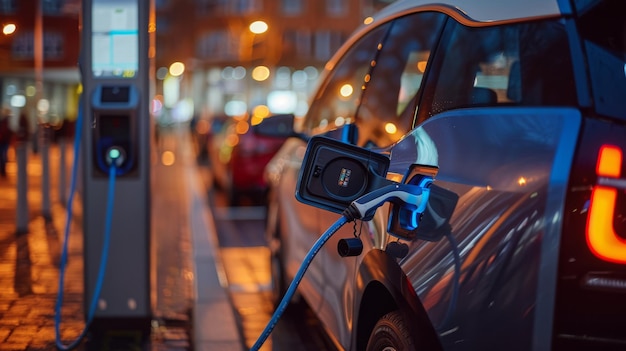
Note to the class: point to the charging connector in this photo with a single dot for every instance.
(412, 198)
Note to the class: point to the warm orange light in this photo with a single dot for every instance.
(421, 66)
(602, 239)
(391, 128)
(232, 140)
(177, 68)
(609, 161)
(346, 90)
(261, 111)
(168, 158)
(242, 127)
(260, 73)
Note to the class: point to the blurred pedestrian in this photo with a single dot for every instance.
(23, 128)
(6, 134)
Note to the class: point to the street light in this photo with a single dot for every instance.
(177, 69)
(258, 27)
(9, 28)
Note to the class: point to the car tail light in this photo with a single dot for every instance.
(602, 239)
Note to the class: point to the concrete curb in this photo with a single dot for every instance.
(214, 321)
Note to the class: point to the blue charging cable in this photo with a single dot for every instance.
(414, 197)
(105, 245)
(296, 281)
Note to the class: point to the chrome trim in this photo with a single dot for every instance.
(612, 182)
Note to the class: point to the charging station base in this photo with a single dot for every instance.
(119, 333)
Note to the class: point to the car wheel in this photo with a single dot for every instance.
(390, 334)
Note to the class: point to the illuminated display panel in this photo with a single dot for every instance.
(115, 38)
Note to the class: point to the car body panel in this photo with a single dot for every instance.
(506, 222)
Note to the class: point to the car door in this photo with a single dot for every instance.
(333, 106)
(385, 114)
(498, 118)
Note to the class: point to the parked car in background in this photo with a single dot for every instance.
(238, 157)
(518, 109)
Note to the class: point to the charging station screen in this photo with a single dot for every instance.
(115, 38)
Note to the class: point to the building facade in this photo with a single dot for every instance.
(39, 50)
(231, 70)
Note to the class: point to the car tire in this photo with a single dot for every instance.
(390, 333)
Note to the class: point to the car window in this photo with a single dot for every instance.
(336, 101)
(603, 29)
(524, 64)
(389, 100)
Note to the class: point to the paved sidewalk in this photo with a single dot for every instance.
(192, 308)
(29, 265)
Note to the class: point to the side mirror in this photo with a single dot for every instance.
(278, 126)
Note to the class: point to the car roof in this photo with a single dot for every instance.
(480, 11)
(468, 12)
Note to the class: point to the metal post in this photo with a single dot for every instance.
(62, 171)
(43, 127)
(21, 152)
(45, 174)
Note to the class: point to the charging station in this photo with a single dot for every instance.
(115, 68)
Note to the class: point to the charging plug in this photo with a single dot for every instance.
(115, 156)
(409, 196)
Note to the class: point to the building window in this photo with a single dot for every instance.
(8, 6)
(53, 46)
(160, 4)
(52, 7)
(298, 43)
(292, 7)
(336, 8)
(23, 47)
(212, 7)
(303, 43)
(246, 6)
(228, 7)
(218, 46)
(322, 45)
(326, 44)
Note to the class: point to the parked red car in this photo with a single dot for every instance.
(238, 157)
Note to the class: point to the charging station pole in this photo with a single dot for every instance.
(115, 66)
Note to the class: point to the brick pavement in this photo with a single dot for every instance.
(29, 264)
(29, 273)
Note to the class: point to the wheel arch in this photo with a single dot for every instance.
(386, 288)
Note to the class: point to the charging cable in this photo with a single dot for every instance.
(362, 208)
(114, 161)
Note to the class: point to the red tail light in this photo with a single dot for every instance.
(602, 239)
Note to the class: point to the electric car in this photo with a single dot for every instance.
(517, 111)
